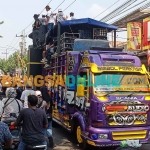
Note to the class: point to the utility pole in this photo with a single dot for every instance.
(22, 43)
(6, 53)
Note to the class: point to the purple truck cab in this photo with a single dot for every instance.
(117, 101)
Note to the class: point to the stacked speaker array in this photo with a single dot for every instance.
(34, 57)
(99, 33)
(67, 41)
(86, 34)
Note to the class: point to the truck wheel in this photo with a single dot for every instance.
(82, 143)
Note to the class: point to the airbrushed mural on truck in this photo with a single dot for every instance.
(99, 93)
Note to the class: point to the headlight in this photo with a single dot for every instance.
(94, 136)
(103, 136)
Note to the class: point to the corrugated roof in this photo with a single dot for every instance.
(137, 15)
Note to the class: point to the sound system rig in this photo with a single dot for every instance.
(67, 39)
(100, 33)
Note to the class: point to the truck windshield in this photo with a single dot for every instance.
(120, 81)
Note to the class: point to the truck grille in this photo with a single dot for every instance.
(130, 135)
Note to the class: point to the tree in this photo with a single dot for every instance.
(13, 63)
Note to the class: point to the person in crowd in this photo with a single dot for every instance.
(5, 136)
(71, 16)
(19, 90)
(41, 103)
(0, 83)
(46, 96)
(43, 20)
(11, 105)
(34, 120)
(60, 16)
(28, 91)
(49, 50)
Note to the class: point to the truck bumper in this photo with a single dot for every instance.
(115, 135)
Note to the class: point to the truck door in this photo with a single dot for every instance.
(82, 99)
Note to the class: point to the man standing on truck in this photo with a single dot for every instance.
(60, 16)
(71, 16)
(50, 18)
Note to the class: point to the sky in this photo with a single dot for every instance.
(18, 14)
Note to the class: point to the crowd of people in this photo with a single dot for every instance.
(49, 20)
(33, 110)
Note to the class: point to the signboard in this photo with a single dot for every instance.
(146, 34)
(148, 57)
(134, 36)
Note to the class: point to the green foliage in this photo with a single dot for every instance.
(12, 63)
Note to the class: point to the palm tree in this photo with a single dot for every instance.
(0, 24)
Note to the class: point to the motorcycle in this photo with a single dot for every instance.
(15, 131)
(36, 147)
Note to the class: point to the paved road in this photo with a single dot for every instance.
(65, 141)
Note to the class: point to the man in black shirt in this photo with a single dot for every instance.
(34, 119)
(36, 27)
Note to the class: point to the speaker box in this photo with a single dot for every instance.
(42, 33)
(34, 57)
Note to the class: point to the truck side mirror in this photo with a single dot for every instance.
(80, 90)
(80, 87)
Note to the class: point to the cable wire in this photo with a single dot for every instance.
(116, 15)
(59, 5)
(33, 20)
(53, 11)
(117, 10)
(107, 8)
(144, 6)
(69, 6)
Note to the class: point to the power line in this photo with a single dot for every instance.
(68, 6)
(127, 9)
(16, 43)
(42, 11)
(59, 5)
(141, 8)
(107, 8)
(117, 10)
(33, 20)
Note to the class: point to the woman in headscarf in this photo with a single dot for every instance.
(11, 105)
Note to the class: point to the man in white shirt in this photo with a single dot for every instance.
(43, 19)
(50, 19)
(71, 16)
(28, 91)
(60, 16)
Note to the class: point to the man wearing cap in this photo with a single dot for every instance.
(43, 20)
(50, 18)
(60, 16)
(36, 27)
(28, 91)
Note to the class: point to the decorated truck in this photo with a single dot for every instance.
(99, 93)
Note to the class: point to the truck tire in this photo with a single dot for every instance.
(82, 143)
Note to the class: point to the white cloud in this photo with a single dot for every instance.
(96, 10)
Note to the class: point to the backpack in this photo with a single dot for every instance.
(39, 105)
(1, 107)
